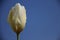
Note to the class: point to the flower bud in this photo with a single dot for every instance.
(17, 17)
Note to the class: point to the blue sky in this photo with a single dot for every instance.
(43, 20)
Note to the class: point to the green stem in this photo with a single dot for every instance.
(18, 37)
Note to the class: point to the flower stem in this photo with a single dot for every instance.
(18, 37)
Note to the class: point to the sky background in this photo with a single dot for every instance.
(43, 20)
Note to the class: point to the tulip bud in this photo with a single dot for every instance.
(17, 18)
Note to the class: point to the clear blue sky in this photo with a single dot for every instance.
(43, 20)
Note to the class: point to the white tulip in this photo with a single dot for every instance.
(17, 17)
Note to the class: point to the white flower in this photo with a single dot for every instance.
(17, 17)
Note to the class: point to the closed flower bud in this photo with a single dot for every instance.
(17, 18)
